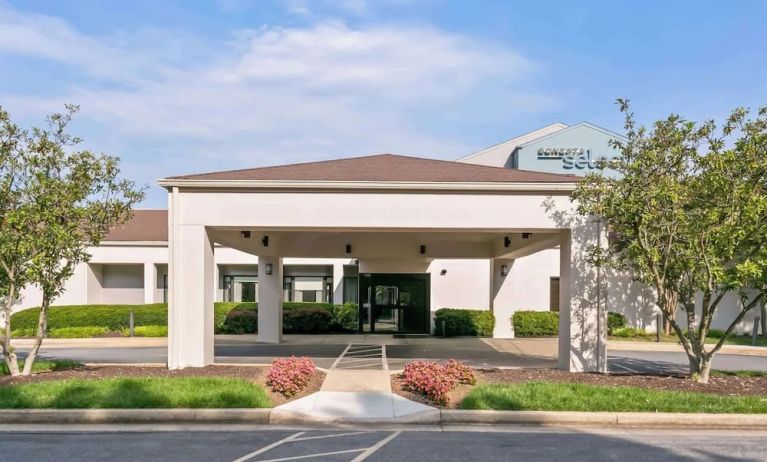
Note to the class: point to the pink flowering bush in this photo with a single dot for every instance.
(289, 376)
(460, 372)
(436, 380)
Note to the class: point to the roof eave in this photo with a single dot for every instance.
(532, 186)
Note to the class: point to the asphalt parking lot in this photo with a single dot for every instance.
(405, 444)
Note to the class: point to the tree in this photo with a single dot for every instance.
(65, 202)
(686, 210)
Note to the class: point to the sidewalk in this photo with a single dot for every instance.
(675, 347)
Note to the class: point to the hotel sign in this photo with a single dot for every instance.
(571, 157)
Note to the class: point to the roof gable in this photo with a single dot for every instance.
(580, 126)
(498, 154)
(382, 168)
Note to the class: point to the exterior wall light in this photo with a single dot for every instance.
(348, 248)
(423, 249)
(265, 241)
(269, 269)
(504, 270)
(506, 241)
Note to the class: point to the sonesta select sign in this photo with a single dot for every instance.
(571, 157)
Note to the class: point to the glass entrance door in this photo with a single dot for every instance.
(394, 303)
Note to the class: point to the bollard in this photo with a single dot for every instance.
(658, 326)
(444, 334)
(131, 324)
(755, 331)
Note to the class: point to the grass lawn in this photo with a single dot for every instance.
(135, 392)
(718, 373)
(549, 396)
(43, 365)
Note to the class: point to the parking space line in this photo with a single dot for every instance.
(369, 451)
(624, 367)
(335, 435)
(269, 447)
(348, 356)
(319, 454)
(349, 359)
(357, 352)
(351, 367)
(340, 356)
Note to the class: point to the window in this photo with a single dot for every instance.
(310, 289)
(554, 294)
(240, 288)
(351, 289)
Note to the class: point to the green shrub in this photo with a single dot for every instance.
(111, 317)
(77, 332)
(715, 333)
(229, 318)
(221, 312)
(535, 323)
(615, 321)
(345, 318)
(147, 331)
(456, 321)
(295, 305)
(240, 321)
(626, 332)
(306, 320)
(25, 332)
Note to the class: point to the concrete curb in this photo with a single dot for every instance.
(285, 417)
(120, 416)
(445, 417)
(605, 419)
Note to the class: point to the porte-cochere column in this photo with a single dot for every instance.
(190, 297)
(582, 316)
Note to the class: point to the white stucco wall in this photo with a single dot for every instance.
(525, 288)
(115, 274)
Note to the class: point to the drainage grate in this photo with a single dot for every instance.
(362, 357)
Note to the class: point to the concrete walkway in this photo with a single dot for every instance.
(357, 388)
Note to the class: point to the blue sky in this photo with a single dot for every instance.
(192, 86)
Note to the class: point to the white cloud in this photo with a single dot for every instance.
(272, 94)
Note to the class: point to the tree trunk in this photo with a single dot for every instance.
(42, 320)
(9, 352)
(670, 313)
(700, 367)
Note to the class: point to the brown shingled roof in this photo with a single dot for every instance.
(145, 225)
(385, 167)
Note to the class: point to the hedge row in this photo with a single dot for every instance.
(111, 317)
(229, 317)
(452, 321)
(535, 323)
(546, 323)
(297, 318)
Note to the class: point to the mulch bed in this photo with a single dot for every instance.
(730, 386)
(255, 374)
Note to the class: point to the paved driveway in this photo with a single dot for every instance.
(325, 349)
